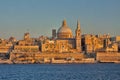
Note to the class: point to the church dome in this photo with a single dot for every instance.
(64, 31)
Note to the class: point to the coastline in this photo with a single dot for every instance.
(64, 62)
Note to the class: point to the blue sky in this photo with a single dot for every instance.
(39, 17)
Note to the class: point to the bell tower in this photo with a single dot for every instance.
(78, 37)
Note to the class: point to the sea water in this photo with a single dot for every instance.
(60, 71)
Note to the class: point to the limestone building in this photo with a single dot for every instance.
(5, 48)
(92, 43)
(65, 42)
(26, 45)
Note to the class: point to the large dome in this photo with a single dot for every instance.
(64, 31)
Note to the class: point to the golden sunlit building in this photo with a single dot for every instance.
(65, 42)
(26, 45)
(91, 43)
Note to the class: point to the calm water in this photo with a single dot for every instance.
(60, 72)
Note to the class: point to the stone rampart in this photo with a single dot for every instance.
(108, 57)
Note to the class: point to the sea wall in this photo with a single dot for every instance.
(27, 57)
(108, 57)
(47, 57)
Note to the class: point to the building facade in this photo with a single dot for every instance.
(65, 42)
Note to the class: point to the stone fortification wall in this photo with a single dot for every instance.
(108, 57)
(44, 57)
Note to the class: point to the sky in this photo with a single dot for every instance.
(39, 17)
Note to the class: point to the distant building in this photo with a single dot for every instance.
(53, 33)
(26, 45)
(5, 48)
(116, 39)
(95, 43)
(65, 42)
(26, 36)
(91, 43)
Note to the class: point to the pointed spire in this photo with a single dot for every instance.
(64, 23)
(78, 24)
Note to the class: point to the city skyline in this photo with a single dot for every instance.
(40, 17)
